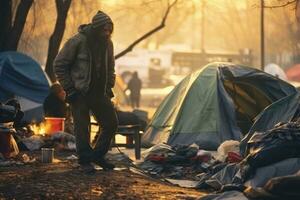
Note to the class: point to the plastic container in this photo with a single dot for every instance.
(54, 124)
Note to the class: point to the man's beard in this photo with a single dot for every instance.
(97, 42)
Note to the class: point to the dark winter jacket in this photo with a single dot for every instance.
(73, 65)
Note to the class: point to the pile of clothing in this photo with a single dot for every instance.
(178, 162)
(270, 169)
(16, 136)
(10, 114)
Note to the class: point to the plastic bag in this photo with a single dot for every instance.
(225, 147)
(8, 145)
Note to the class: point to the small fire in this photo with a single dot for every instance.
(40, 129)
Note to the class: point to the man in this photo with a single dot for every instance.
(135, 86)
(85, 69)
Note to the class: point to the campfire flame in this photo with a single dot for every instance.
(40, 129)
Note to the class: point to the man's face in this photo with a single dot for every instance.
(105, 31)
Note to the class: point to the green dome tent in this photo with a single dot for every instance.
(216, 103)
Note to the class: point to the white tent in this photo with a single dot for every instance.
(275, 70)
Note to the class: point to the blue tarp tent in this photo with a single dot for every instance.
(22, 78)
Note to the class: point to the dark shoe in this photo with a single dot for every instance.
(87, 168)
(104, 164)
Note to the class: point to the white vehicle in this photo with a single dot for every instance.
(140, 61)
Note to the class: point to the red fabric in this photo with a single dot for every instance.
(234, 157)
(156, 158)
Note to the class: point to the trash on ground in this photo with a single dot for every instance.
(183, 183)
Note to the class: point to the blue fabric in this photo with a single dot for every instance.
(34, 115)
(22, 76)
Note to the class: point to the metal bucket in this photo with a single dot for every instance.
(47, 155)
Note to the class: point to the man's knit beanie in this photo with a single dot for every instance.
(100, 19)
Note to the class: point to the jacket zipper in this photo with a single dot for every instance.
(90, 69)
(106, 69)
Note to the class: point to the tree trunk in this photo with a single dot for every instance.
(5, 22)
(62, 8)
(19, 23)
(11, 34)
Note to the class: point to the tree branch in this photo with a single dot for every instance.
(295, 2)
(146, 35)
(282, 5)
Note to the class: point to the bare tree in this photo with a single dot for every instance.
(149, 33)
(62, 8)
(293, 32)
(12, 30)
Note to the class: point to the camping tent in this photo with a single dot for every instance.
(216, 103)
(281, 111)
(120, 98)
(22, 77)
(275, 70)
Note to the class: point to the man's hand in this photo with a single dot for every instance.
(72, 96)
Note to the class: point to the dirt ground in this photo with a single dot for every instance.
(63, 180)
